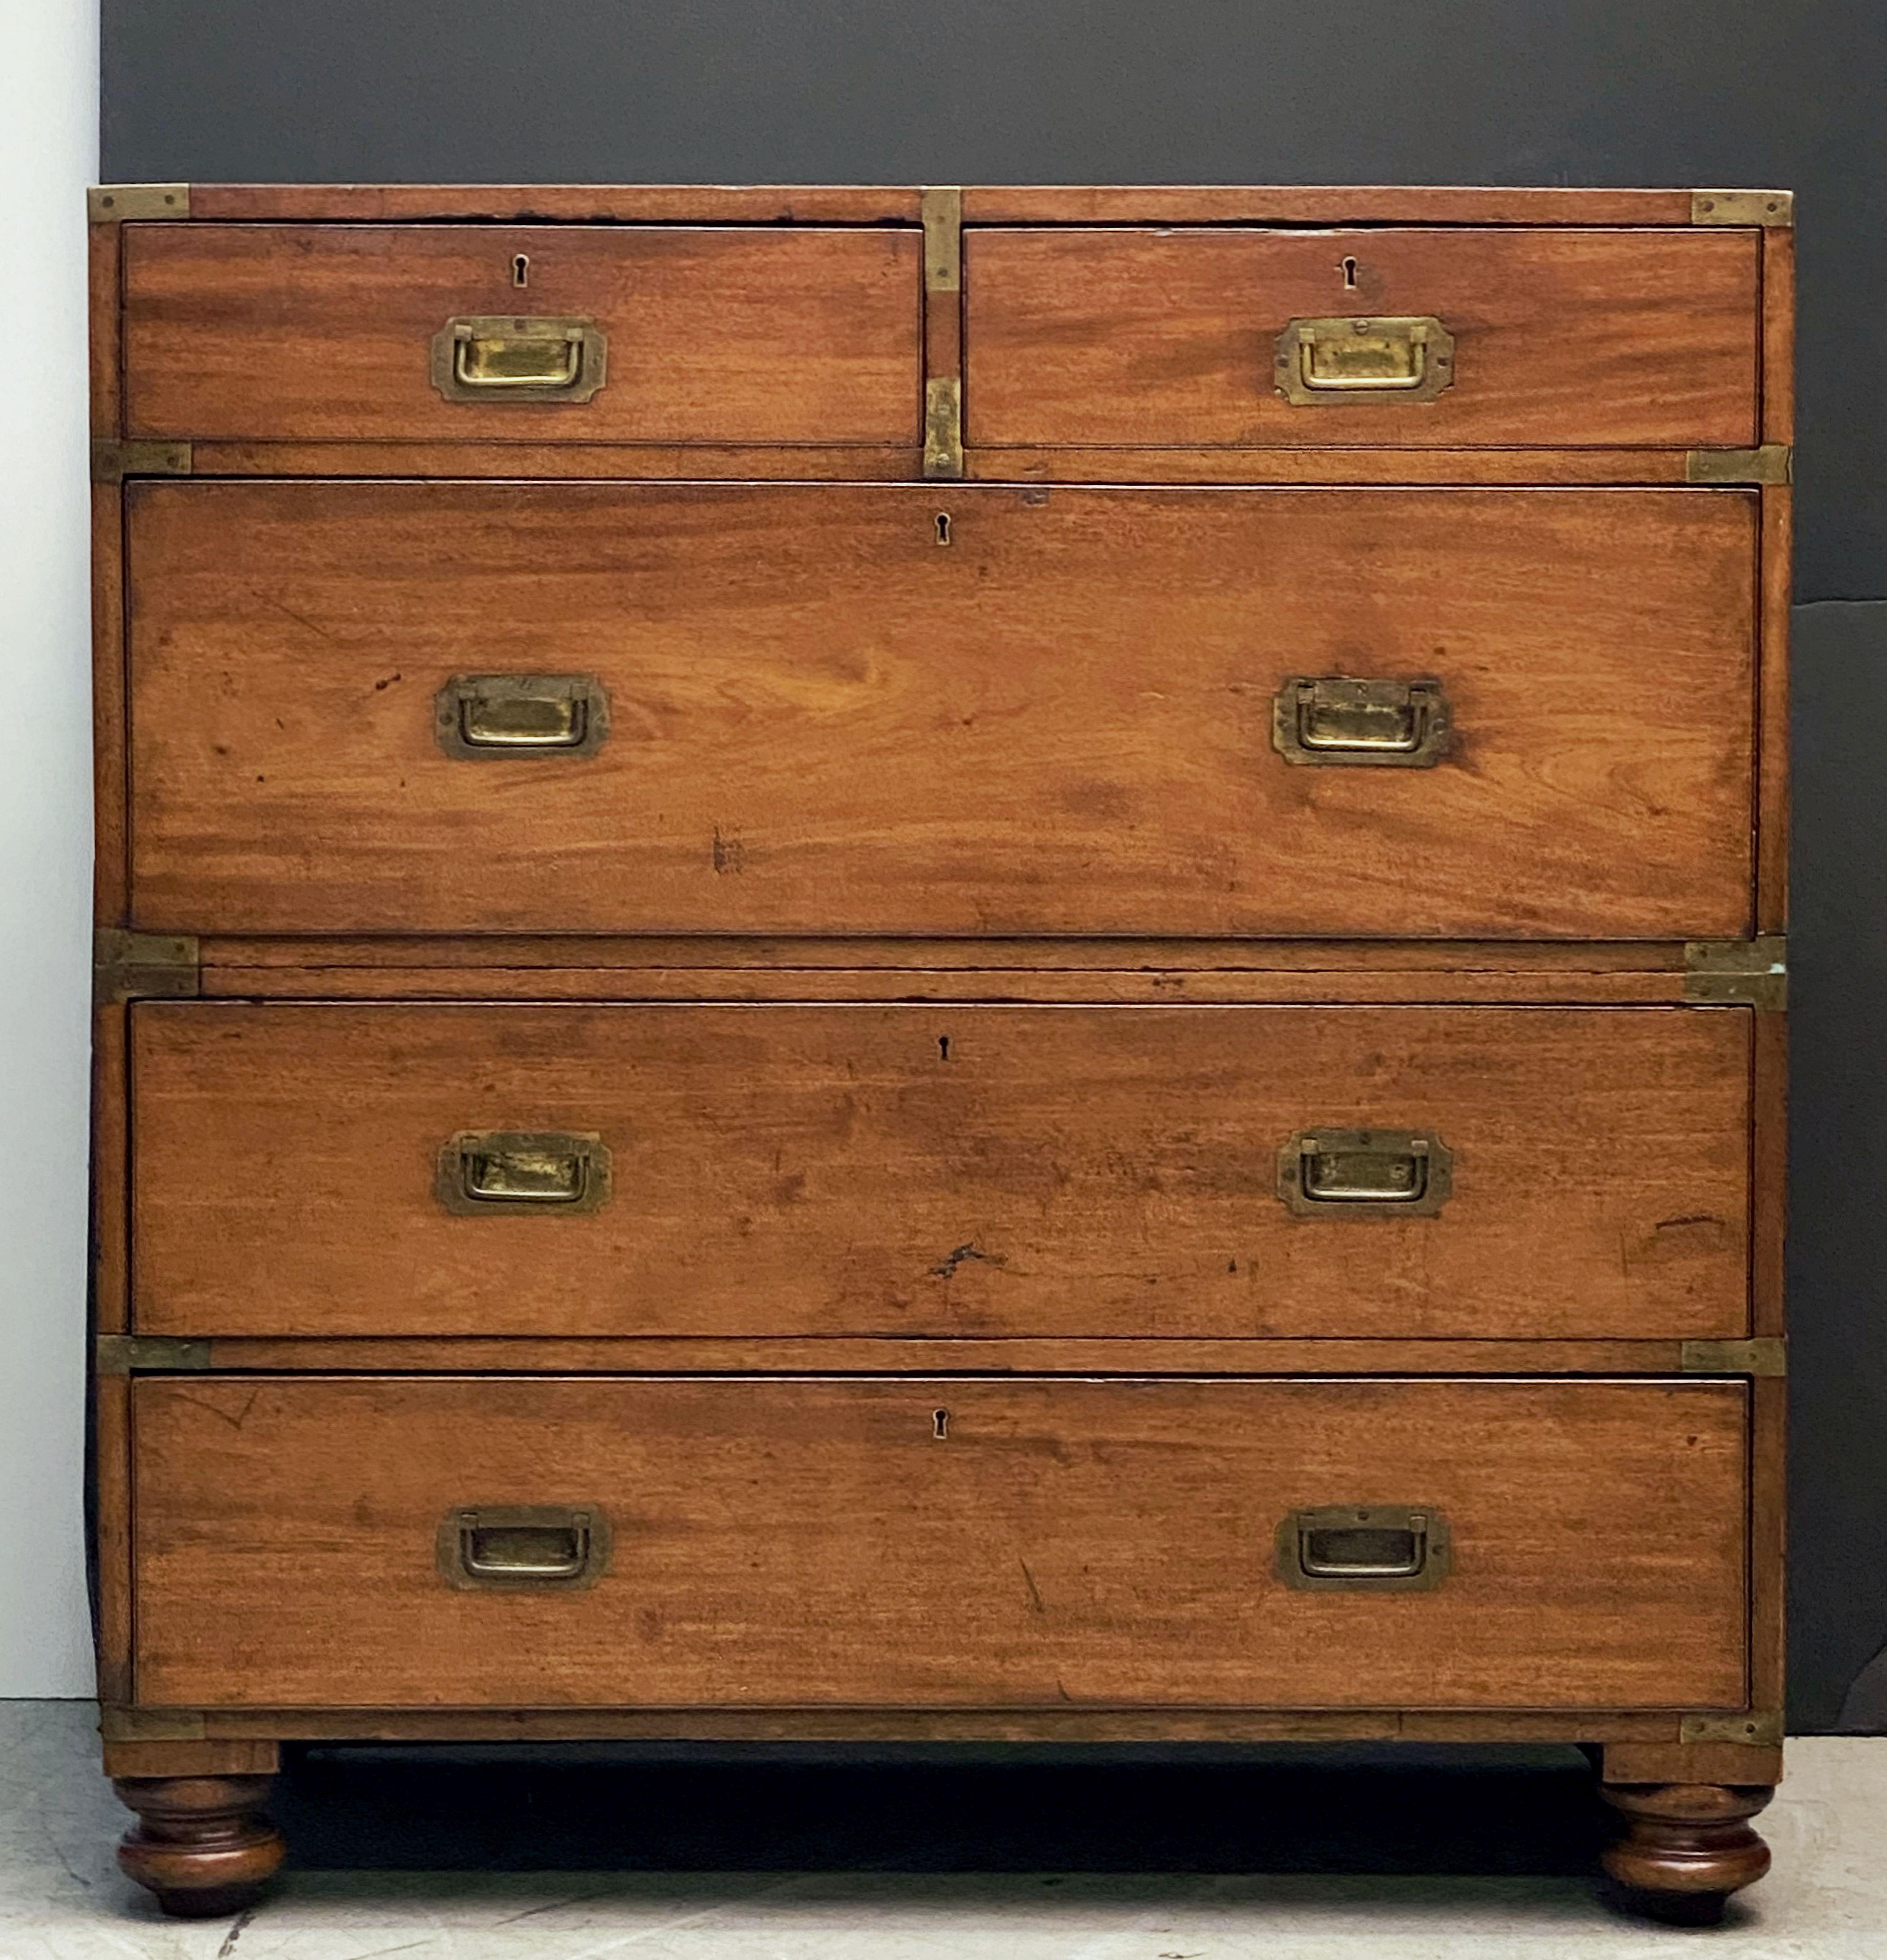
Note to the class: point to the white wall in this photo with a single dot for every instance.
(49, 147)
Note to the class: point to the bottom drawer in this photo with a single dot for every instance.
(337, 1542)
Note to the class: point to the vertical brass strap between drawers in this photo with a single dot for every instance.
(941, 206)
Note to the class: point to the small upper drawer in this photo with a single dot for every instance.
(538, 334)
(1408, 338)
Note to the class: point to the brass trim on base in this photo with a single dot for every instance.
(151, 1725)
(1762, 1731)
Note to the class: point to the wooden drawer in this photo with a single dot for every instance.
(936, 1543)
(729, 335)
(969, 1170)
(1606, 338)
(823, 718)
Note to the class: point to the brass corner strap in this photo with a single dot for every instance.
(148, 1354)
(1760, 1731)
(1773, 463)
(112, 462)
(148, 965)
(1736, 972)
(1768, 1356)
(109, 204)
(941, 207)
(1742, 207)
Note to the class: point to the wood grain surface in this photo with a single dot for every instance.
(941, 1170)
(715, 335)
(818, 1543)
(1599, 338)
(822, 722)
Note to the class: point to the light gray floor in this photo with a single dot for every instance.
(61, 1898)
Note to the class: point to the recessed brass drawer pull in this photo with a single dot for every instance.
(1361, 724)
(480, 717)
(1363, 1548)
(1320, 362)
(507, 1547)
(482, 1172)
(1365, 1174)
(502, 358)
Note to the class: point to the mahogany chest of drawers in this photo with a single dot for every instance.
(893, 963)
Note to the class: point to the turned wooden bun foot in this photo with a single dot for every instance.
(201, 1843)
(1686, 1847)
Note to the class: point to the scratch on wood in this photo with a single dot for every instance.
(728, 853)
(1035, 1591)
(947, 1270)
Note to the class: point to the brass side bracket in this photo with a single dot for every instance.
(1748, 973)
(107, 204)
(148, 1354)
(1773, 463)
(148, 965)
(1742, 207)
(1761, 1731)
(941, 207)
(112, 462)
(120, 1724)
(1767, 1355)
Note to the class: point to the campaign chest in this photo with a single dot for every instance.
(916, 963)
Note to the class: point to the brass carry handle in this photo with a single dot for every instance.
(1356, 1174)
(509, 1548)
(483, 716)
(508, 358)
(1346, 360)
(1363, 1548)
(481, 1173)
(1334, 721)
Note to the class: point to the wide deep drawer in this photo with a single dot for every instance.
(360, 1542)
(650, 333)
(967, 1170)
(454, 706)
(1392, 338)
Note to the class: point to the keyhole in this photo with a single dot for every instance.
(943, 1048)
(940, 1423)
(520, 270)
(943, 527)
(1349, 274)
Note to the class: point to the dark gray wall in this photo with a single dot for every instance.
(1683, 92)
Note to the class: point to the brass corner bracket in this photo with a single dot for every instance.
(1742, 207)
(1737, 972)
(1762, 1731)
(111, 204)
(112, 462)
(1767, 1356)
(1773, 463)
(148, 1354)
(149, 966)
(941, 206)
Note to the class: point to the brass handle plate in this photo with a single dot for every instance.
(519, 1547)
(1360, 1174)
(504, 357)
(1323, 362)
(478, 717)
(1363, 1548)
(1336, 722)
(482, 1173)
